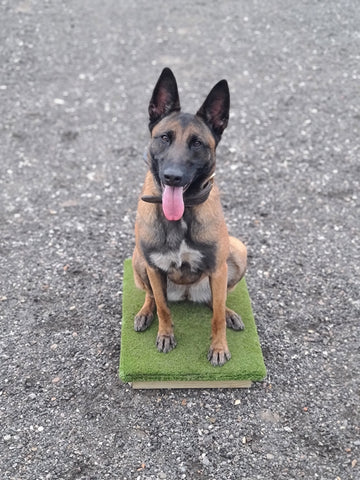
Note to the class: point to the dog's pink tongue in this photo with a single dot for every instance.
(173, 203)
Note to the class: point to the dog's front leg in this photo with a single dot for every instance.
(219, 352)
(165, 340)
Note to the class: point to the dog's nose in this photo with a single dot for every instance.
(173, 177)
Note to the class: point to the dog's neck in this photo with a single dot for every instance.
(191, 200)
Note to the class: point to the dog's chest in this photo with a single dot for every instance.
(178, 251)
(177, 258)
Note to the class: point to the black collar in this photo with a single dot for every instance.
(189, 201)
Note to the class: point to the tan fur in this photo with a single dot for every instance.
(231, 256)
(214, 262)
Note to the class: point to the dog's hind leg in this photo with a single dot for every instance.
(145, 316)
(233, 320)
(236, 270)
(236, 262)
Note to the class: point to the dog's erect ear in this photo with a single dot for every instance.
(215, 110)
(165, 98)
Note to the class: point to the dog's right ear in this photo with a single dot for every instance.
(165, 98)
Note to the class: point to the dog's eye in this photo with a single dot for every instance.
(165, 138)
(196, 144)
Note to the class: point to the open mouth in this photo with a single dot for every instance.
(173, 201)
(185, 187)
(173, 198)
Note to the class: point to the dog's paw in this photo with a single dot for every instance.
(143, 321)
(233, 320)
(165, 343)
(217, 357)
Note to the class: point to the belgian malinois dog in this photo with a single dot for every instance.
(183, 250)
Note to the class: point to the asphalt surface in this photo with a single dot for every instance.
(75, 81)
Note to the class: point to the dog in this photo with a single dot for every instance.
(182, 247)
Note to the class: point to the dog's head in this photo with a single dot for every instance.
(182, 148)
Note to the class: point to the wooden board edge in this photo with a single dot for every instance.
(176, 384)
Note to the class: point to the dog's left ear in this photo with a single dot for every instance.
(165, 98)
(215, 110)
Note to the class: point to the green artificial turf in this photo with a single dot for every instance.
(141, 362)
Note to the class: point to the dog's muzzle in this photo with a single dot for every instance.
(189, 200)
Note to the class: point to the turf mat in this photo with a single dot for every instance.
(187, 365)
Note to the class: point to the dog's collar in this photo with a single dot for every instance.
(189, 201)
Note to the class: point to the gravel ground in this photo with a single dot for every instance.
(75, 80)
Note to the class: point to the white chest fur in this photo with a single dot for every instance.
(174, 259)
